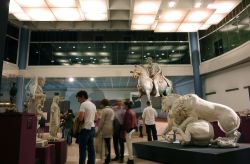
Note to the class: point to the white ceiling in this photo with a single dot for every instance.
(126, 15)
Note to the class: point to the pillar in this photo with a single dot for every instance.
(195, 58)
(23, 47)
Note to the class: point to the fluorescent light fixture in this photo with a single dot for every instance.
(22, 16)
(215, 18)
(146, 6)
(177, 55)
(140, 27)
(96, 16)
(71, 79)
(59, 54)
(90, 53)
(104, 53)
(31, 3)
(143, 19)
(198, 15)
(175, 59)
(180, 48)
(62, 3)
(223, 6)
(75, 53)
(173, 16)
(62, 61)
(169, 27)
(72, 14)
(14, 7)
(163, 48)
(189, 27)
(40, 14)
(94, 6)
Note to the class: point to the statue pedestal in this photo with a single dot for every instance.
(18, 138)
(175, 153)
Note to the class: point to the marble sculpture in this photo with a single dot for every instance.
(190, 116)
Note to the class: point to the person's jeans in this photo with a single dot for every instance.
(86, 142)
(149, 129)
(118, 143)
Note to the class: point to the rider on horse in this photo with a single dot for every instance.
(155, 73)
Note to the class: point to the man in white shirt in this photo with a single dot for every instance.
(149, 114)
(86, 136)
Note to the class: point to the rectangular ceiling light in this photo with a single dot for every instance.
(167, 27)
(172, 16)
(40, 14)
(94, 6)
(31, 3)
(62, 3)
(223, 6)
(140, 27)
(14, 7)
(215, 18)
(96, 16)
(143, 19)
(204, 26)
(189, 27)
(198, 15)
(146, 6)
(72, 14)
(22, 16)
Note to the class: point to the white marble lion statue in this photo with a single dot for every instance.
(187, 114)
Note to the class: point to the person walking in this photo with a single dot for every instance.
(149, 114)
(86, 136)
(106, 127)
(118, 132)
(129, 125)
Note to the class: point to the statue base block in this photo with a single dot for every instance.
(175, 153)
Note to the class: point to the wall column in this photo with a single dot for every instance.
(23, 48)
(4, 12)
(195, 56)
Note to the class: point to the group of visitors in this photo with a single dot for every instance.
(118, 122)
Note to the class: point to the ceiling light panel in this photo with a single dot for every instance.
(14, 7)
(173, 16)
(31, 3)
(94, 6)
(215, 18)
(72, 14)
(146, 6)
(96, 16)
(22, 16)
(204, 26)
(189, 27)
(143, 19)
(169, 27)
(140, 27)
(223, 6)
(62, 3)
(198, 15)
(40, 14)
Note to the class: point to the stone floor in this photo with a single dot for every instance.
(73, 154)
